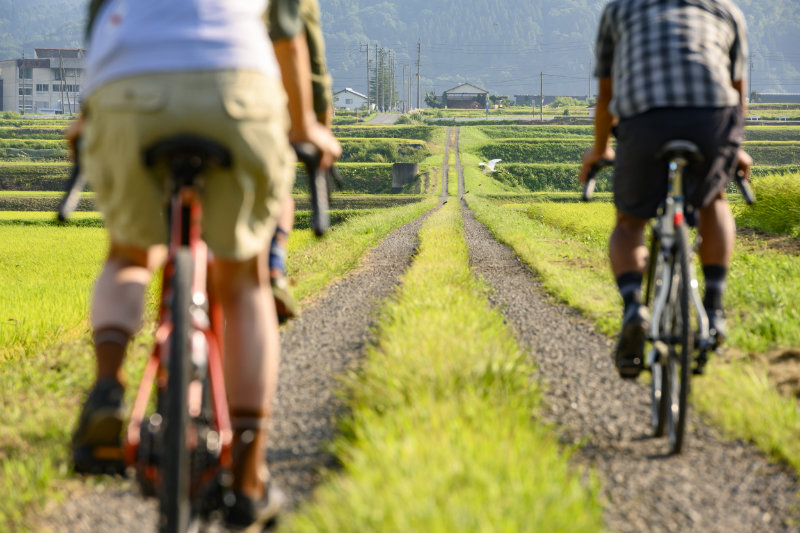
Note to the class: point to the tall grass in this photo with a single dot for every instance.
(443, 434)
(778, 207)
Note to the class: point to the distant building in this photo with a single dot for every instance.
(349, 99)
(465, 96)
(530, 99)
(778, 98)
(50, 82)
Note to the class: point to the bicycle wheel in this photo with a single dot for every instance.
(174, 494)
(679, 364)
(659, 382)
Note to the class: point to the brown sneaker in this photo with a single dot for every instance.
(285, 304)
(97, 441)
(250, 515)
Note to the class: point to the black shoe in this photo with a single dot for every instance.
(96, 443)
(629, 356)
(716, 327)
(249, 514)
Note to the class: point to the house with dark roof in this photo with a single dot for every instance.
(465, 96)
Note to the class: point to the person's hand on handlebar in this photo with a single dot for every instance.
(744, 162)
(322, 138)
(72, 135)
(592, 157)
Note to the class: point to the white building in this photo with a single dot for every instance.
(48, 83)
(349, 99)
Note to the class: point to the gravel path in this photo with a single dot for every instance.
(714, 485)
(323, 342)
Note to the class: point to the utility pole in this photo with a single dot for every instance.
(22, 76)
(419, 68)
(381, 88)
(403, 87)
(750, 82)
(376, 77)
(541, 97)
(366, 49)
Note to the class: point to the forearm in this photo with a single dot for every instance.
(739, 85)
(603, 119)
(293, 59)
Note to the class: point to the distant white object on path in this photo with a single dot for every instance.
(489, 167)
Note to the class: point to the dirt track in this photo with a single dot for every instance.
(715, 486)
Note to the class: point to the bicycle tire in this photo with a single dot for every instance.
(174, 505)
(679, 367)
(659, 384)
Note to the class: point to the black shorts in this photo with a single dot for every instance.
(640, 179)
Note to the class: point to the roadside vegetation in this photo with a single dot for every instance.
(434, 444)
(565, 242)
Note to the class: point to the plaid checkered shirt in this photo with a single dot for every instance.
(671, 53)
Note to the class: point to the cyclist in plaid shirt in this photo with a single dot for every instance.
(669, 69)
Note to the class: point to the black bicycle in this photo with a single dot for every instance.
(678, 337)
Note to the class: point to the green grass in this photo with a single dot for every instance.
(45, 354)
(313, 263)
(778, 207)
(442, 433)
(566, 244)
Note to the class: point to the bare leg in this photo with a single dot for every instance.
(284, 227)
(252, 355)
(118, 301)
(717, 230)
(626, 247)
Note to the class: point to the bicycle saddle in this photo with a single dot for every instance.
(192, 150)
(680, 148)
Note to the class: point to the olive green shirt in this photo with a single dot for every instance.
(286, 18)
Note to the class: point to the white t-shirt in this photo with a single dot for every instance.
(132, 37)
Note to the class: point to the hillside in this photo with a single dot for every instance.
(500, 46)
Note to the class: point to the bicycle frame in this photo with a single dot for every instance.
(664, 227)
(206, 321)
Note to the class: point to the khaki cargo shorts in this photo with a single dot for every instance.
(244, 111)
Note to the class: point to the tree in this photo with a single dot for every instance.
(432, 100)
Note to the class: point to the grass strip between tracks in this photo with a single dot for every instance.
(45, 353)
(566, 244)
(442, 435)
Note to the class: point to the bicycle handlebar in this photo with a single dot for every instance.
(72, 194)
(318, 184)
(744, 188)
(589, 185)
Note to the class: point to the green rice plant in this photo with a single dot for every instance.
(548, 176)
(423, 133)
(383, 150)
(533, 151)
(440, 432)
(539, 130)
(778, 207)
(774, 153)
(772, 133)
(358, 178)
